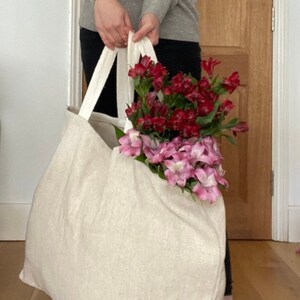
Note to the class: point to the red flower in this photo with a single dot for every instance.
(204, 84)
(146, 61)
(181, 84)
(204, 107)
(158, 83)
(150, 98)
(226, 106)
(167, 90)
(232, 82)
(189, 131)
(177, 120)
(144, 123)
(159, 124)
(240, 127)
(157, 70)
(190, 116)
(176, 83)
(159, 109)
(132, 109)
(194, 96)
(209, 65)
(138, 70)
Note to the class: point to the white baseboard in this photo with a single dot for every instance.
(294, 224)
(13, 220)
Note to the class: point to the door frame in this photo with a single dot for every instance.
(280, 151)
(75, 83)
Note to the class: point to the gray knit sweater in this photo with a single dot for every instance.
(178, 18)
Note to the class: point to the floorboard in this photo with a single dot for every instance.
(262, 270)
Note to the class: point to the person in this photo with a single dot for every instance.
(172, 27)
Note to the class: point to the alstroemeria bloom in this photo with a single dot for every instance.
(210, 194)
(207, 188)
(213, 151)
(209, 65)
(158, 152)
(219, 173)
(232, 82)
(178, 171)
(131, 143)
(226, 106)
(204, 107)
(199, 154)
(206, 176)
(240, 127)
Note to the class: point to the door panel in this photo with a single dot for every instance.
(238, 32)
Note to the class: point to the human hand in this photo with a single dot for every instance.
(149, 26)
(228, 298)
(112, 23)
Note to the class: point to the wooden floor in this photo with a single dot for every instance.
(262, 270)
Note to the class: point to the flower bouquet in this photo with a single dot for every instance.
(175, 125)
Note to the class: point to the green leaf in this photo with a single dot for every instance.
(145, 109)
(208, 119)
(231, 123)
(219, 89)
(119, 132)
(208, 131)
(142, 158)
(230, 139)
(161, 172)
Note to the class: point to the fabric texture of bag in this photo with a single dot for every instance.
(102, 226)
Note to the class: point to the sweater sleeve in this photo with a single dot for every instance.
(158, 7)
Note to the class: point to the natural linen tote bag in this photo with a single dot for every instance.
(102, 226)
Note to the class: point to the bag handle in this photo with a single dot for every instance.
(126, 58)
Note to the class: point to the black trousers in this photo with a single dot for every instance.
(176, 56)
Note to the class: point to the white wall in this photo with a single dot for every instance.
(34, 91)
(294, 119)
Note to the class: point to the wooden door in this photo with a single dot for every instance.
(238, 32)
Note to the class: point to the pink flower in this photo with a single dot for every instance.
(131, 143)
(157, 152)
(199, 154)
(207, 188)
(213, 150)
(206, 176)
(219, 173)
(210, 194)
(178, 171)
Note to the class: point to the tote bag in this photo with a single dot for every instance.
(102, 226)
